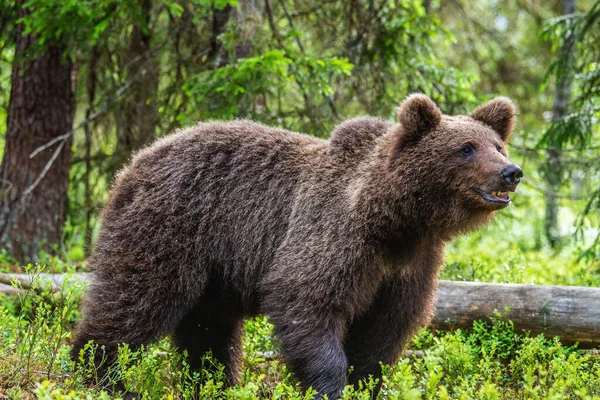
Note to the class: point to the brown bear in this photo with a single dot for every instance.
(338, 241)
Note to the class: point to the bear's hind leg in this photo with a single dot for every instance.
(125, 310)
(209, 327)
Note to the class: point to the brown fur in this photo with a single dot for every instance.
(339, 242)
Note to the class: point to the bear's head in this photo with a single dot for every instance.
(458, 160)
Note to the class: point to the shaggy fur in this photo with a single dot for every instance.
(339, 242)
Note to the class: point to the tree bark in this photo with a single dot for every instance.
(41, 107)
(88, 203)
(247, 17)
(219, 23)
(553, 166)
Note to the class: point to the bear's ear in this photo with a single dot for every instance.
(418, 115)
(499, 114)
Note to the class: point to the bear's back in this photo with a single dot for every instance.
(219, 192)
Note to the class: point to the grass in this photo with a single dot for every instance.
(491, 361)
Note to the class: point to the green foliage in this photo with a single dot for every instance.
(575, 38)
(510, 251)
(580, 31)
(33, 334)
(285, 82)
(590, 219)
(79, 22)
(407, 44)
(83, 24)
(491, 361)
(227, 91)
(305, 65)
(7, 11)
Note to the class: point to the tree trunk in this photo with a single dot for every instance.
(138, 116)
(88, 203)
(553, 166)
(219, 23)
(41, 107)
(248, 16)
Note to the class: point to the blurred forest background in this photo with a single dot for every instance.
(85, 83)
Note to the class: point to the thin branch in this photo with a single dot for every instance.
(149, 55)
(536, 150)
(41, 176)
(552, 193)
(64, 137)
(91, 118)
(291, 22)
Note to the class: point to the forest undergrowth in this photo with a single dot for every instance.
(491, 361)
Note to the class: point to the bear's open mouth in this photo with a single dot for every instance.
(494, 197)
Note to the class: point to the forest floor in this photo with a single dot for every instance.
(490, 361)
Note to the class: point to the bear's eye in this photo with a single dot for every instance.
(466, 150)
(499, 148)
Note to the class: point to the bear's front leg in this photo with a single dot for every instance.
(311, 337)
(317, 282)
(403, 304)
(315, 355)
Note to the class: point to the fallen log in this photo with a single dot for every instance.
(570, 312)
(37, 281)
(8, 289)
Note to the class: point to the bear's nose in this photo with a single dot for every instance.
(512, 174)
